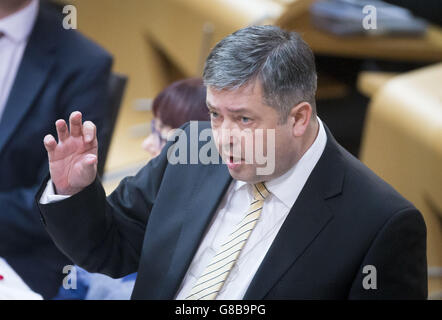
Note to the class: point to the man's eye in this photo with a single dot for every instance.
(213, 114)
(245, 120)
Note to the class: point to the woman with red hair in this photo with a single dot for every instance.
(180, 102)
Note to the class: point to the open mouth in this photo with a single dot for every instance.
(232, 159)
(233, 162)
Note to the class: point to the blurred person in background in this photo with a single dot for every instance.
(46, 72)
(180, 102)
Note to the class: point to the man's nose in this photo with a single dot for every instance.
(229, 133)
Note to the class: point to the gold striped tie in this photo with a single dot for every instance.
(213, 277)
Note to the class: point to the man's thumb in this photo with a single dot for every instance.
(90, 159)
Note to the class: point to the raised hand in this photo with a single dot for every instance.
(73, 160)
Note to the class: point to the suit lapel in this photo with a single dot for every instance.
(305, 221)
(207, 194)
(32, 73)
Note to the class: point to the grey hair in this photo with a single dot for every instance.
(282, 62)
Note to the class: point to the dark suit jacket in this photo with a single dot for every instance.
(344, 219)
(61, 71)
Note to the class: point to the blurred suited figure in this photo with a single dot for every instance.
(46, 72)
(180, 102)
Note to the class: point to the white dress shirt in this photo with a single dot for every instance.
(16, 29)
(284, 191)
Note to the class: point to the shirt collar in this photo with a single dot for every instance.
(18, 25)
(288, 186)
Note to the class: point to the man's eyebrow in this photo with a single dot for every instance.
(230, 110)
(209, 105)
(240, 110)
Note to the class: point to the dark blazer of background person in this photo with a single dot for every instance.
(344, 219)
(61, 71)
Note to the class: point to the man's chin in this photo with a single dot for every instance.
(242, 173)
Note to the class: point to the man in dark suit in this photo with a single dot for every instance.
(46, 73)
(309, 222)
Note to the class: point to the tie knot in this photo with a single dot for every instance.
(260, 191)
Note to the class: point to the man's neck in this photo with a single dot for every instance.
(9, 7)
(312, 134)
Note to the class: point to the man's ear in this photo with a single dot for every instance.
(300, 118)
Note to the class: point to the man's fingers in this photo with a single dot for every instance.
(50, 144)
(62, 130)
(75, 125)
(89, 131)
